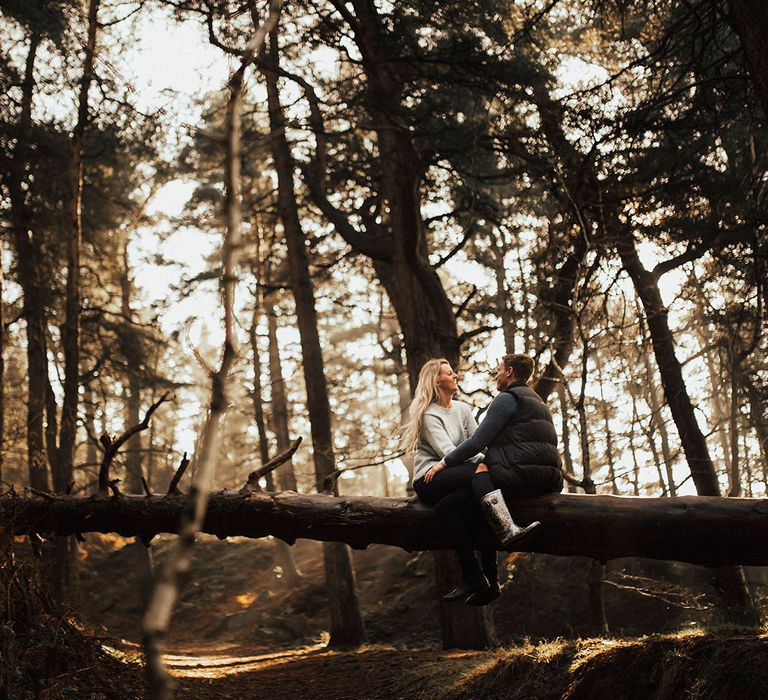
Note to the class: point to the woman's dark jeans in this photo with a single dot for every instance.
(450, 492)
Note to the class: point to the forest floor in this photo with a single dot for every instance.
(241, 631)
(717, 666)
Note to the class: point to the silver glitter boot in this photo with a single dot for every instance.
(498, 516)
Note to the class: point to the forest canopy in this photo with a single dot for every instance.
(469, 178)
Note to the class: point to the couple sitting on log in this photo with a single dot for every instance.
(463, 469)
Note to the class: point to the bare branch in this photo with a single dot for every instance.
(112, 485)
(111, 447)
(253, 478)
(464, 304)
(44, 494)
(467, 335)
(470, 231)
(173, 487)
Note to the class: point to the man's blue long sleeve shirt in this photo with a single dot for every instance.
(501, 410)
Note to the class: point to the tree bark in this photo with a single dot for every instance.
(460, 631)
(565, 434)
(558, 302)
(386, 329)
(756, 405)
(132, 393)
(282, 550)
(597, 568)
(140, 556)
(346, 620)
(71, 330)
(633, 449)
(397, 245)
(508, 325)
(657, 419)
(286, 476)
(256, 393)
(27, 249)
(719, 419)
(601, 527)
(605, 411)
(734, 475)
(89, 421)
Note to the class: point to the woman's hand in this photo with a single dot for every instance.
(433, 471)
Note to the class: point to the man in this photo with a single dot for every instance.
(519, 441)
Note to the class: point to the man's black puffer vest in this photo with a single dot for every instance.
(529, 438)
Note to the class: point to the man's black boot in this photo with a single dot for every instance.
(472, 582)
(490, 571)
(485, 596)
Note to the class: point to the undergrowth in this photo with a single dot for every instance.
(44, 654)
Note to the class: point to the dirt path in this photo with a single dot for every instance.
(315, 673)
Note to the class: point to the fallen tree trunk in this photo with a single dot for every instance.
(711, 531)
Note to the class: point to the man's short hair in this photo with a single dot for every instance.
(520, 364)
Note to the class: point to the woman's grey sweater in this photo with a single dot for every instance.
(442, 430)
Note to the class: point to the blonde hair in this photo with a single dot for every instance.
(425, 394)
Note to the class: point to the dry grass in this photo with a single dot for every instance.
(704, 666)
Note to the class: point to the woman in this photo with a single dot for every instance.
(437, 424)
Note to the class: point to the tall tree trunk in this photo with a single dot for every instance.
(27, 249)
(51, 427)
(565, 433)
(346, 621)
(596, 572)
(608, 434)
(386, 330)
(282, 549)
(734, 475)
(404, 400)
(675, 390)
(657, 419)
(502, 297)
(745, 444)
(413, 286)
(526, 301)
(397, 245)
(730, 579)
(149, 472)
(558, 302)
(286, 476)
(719, 414)
(71, 330)
(633, 449)
(131, 393)
(256, 393)
(577, 192)
(89, 420)
(757, 416)
(140, 556)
